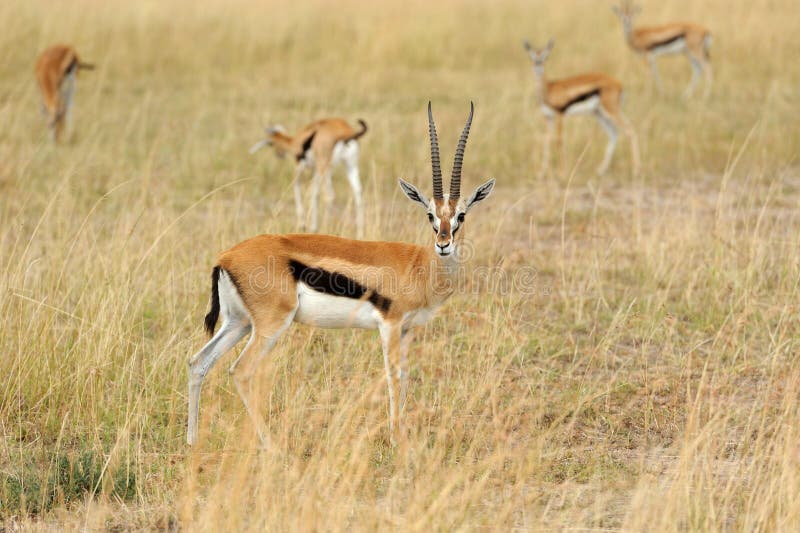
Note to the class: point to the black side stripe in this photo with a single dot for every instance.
(666, 42)
(337, 284)
(306, 146)
(578, 99)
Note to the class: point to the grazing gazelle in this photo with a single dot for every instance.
(691, 40)
(322, 145)
(594, 93)
(262, 285)
(56, 70)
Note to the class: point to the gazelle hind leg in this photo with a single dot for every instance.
(351, 163)
(235, 325)
(200, 364)
(611, 130)
(265, 336)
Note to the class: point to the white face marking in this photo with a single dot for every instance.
(436, 223)
(327, 311)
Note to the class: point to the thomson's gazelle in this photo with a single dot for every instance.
(691, 40)
(56, 70)
(262, 285)
(595, 93)
(322, 145)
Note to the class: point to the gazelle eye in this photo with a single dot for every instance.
(460, 218)
(430, 218)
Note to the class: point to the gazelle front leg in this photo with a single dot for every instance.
(548, 137)
(67, 95)
(696, 68)
(611, 130)
(405, 341)
(651, 60)
(264, 338)
(320, 170)
(390, 341)
(559, 120)
(298, 195)
(631, 133)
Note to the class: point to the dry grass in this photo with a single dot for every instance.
(645, 379)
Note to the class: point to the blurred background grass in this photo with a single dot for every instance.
(645, 379)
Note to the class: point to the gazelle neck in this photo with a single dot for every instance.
(540, 83)
(444, 276)
(283, 142)
(627, 30)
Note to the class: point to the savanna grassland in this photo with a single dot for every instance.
(628, 359)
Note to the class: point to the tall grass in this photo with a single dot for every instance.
(645, 378)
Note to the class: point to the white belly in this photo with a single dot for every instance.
(675, 47)
(584, 106)
(326, 311)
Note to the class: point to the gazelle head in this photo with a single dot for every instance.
(270, 132)
(626, 10)
(447, 211)
(539, 55)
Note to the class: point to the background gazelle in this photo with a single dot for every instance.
(322, 145)
(594, 93)
(262, 285)
(56, 70)
(691, 40)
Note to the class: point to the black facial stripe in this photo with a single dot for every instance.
(337, 285)
(578, 99)
(665, 42)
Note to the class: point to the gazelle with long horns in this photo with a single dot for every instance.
(595, 93)
(321, 145)
(262, 285)
(56, 70)
(691, 40)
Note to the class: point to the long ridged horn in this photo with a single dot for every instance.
(438, 192)
(455, 179)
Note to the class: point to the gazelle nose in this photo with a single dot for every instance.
(443, 246)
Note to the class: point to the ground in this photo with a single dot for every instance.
(621, 354)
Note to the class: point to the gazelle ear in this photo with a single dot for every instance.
(481, 193)
(413, 193)
(527, 45)
(616, 10)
